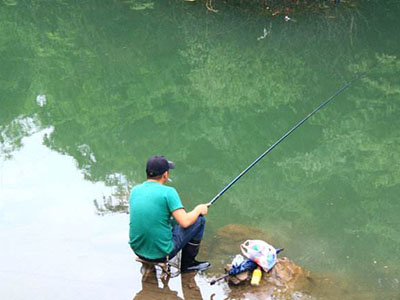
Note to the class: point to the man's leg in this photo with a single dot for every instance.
(188, 239)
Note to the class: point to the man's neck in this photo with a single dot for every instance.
(161, 181)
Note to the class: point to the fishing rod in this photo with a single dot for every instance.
(319, 107)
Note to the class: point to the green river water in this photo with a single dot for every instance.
(124, 80)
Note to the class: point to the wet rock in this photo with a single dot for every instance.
(284, 275)
(288, 275)
(239, 278)
(286, 280)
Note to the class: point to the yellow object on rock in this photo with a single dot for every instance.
(256, 277)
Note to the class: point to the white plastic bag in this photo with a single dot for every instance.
(260, 252)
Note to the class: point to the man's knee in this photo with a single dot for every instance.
(200, 223)
(201, 220)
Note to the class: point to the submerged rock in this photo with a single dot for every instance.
(231, 236)
(239, 232)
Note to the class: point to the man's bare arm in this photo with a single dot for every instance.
(185, 219)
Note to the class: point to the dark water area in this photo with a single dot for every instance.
(89, 90)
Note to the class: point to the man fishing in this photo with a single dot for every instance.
(152, 206)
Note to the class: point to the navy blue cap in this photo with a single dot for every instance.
(157, 165)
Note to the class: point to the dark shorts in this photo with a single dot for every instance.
(182, 236)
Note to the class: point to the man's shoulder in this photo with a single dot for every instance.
(137, 187)
(154, 187)
(168, 191)
(169, 188)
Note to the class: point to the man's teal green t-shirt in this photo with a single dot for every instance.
(150, 231)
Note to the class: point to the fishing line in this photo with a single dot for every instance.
(319, 107)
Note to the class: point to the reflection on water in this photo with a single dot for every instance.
(11, 135)
(154, 289)
(56, 246)
(118, 201)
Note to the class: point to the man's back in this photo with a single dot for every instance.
(151, 204)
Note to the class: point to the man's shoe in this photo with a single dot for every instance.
(195, 266)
